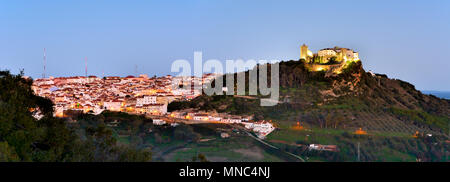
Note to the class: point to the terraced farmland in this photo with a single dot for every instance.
(383, 122)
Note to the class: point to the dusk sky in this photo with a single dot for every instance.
(408, 40)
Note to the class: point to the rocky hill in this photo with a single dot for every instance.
(353, 99)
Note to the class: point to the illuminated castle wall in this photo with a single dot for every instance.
(328, 59)
(323, 56)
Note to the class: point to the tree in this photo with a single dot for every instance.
(7, 154)
(202, 158)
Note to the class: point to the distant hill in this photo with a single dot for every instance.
(440, 94)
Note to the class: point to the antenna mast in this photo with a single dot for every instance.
(85, 68)
(45, 60)
(136, 70)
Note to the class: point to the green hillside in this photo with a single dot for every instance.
(333, 106)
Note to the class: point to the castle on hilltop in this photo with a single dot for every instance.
(326, 55)
(328, 59)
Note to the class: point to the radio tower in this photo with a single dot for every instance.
(85, 66)
(136, 70)
(43, 74)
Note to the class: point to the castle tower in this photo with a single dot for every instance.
(343, 54)
(304, 52)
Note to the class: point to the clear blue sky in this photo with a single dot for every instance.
(409, 40)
